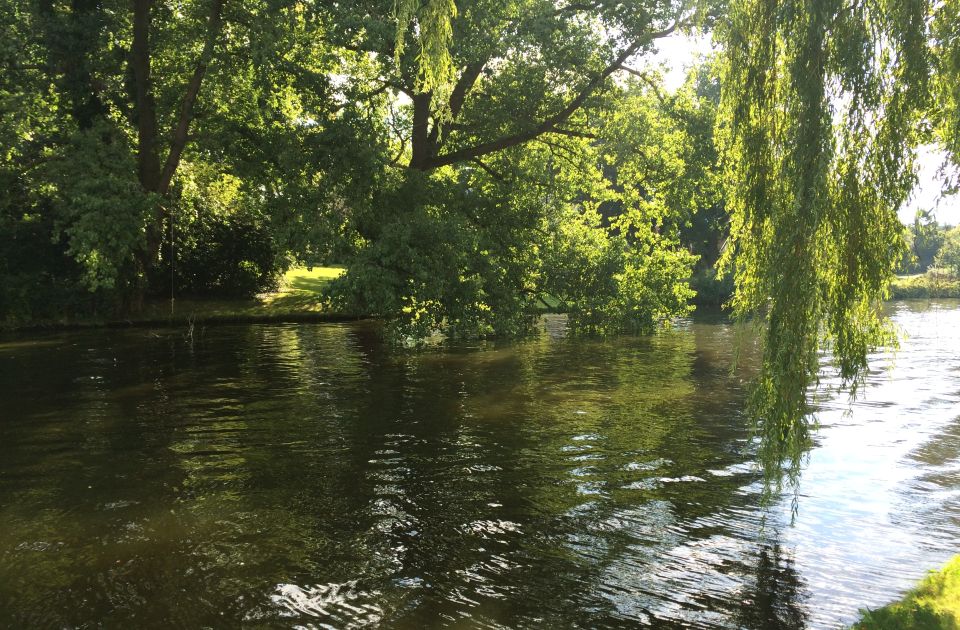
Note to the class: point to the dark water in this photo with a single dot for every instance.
(305, 476)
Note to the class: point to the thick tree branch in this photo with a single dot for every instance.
(466, 82)
(457, 98)
(550, 123)
(182, 127)
(148, 162)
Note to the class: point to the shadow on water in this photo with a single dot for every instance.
(296, 475)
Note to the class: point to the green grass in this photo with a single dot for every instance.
(933, 605)
(310, 280)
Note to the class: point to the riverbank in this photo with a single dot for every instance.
(298, 299)
(933, 605)
(933, 284)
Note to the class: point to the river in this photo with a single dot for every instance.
(309, 476)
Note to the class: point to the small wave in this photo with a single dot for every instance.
(344, 604)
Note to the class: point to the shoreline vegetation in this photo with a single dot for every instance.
(935, 283)
(933, 605)
(297, 299)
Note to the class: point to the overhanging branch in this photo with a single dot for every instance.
(182, 128)
(550, 124)
(646, 78)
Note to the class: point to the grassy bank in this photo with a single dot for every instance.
(933, 284)
(933, 605)
(298, 298)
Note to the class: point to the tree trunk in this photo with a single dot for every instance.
(154, 177)
(420, 145)
(148, 162)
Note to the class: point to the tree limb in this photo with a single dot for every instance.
(646, 78)
(457, 97)
(550, 123)
(182, 128)
(492, 173)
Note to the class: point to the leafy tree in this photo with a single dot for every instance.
(927, 237)
(949, 255)
(506, 161)
(110, 100)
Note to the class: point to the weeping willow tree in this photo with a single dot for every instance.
(946, 110)
(823, 104)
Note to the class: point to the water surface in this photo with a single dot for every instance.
(308, 476)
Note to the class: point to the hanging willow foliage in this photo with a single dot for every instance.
(435, 22)
(946, 110)
(821, 109)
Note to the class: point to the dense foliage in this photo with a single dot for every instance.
(465, 163)
(100, 102)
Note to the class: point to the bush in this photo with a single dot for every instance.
(231, 255)
(222, 245)
(39, 281)
(933, 605)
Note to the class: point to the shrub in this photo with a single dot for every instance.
(222, 244)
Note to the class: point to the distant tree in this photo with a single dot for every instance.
(908, 261)
(949, 255)
(927, 239)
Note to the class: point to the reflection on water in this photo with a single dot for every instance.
(306, 476)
